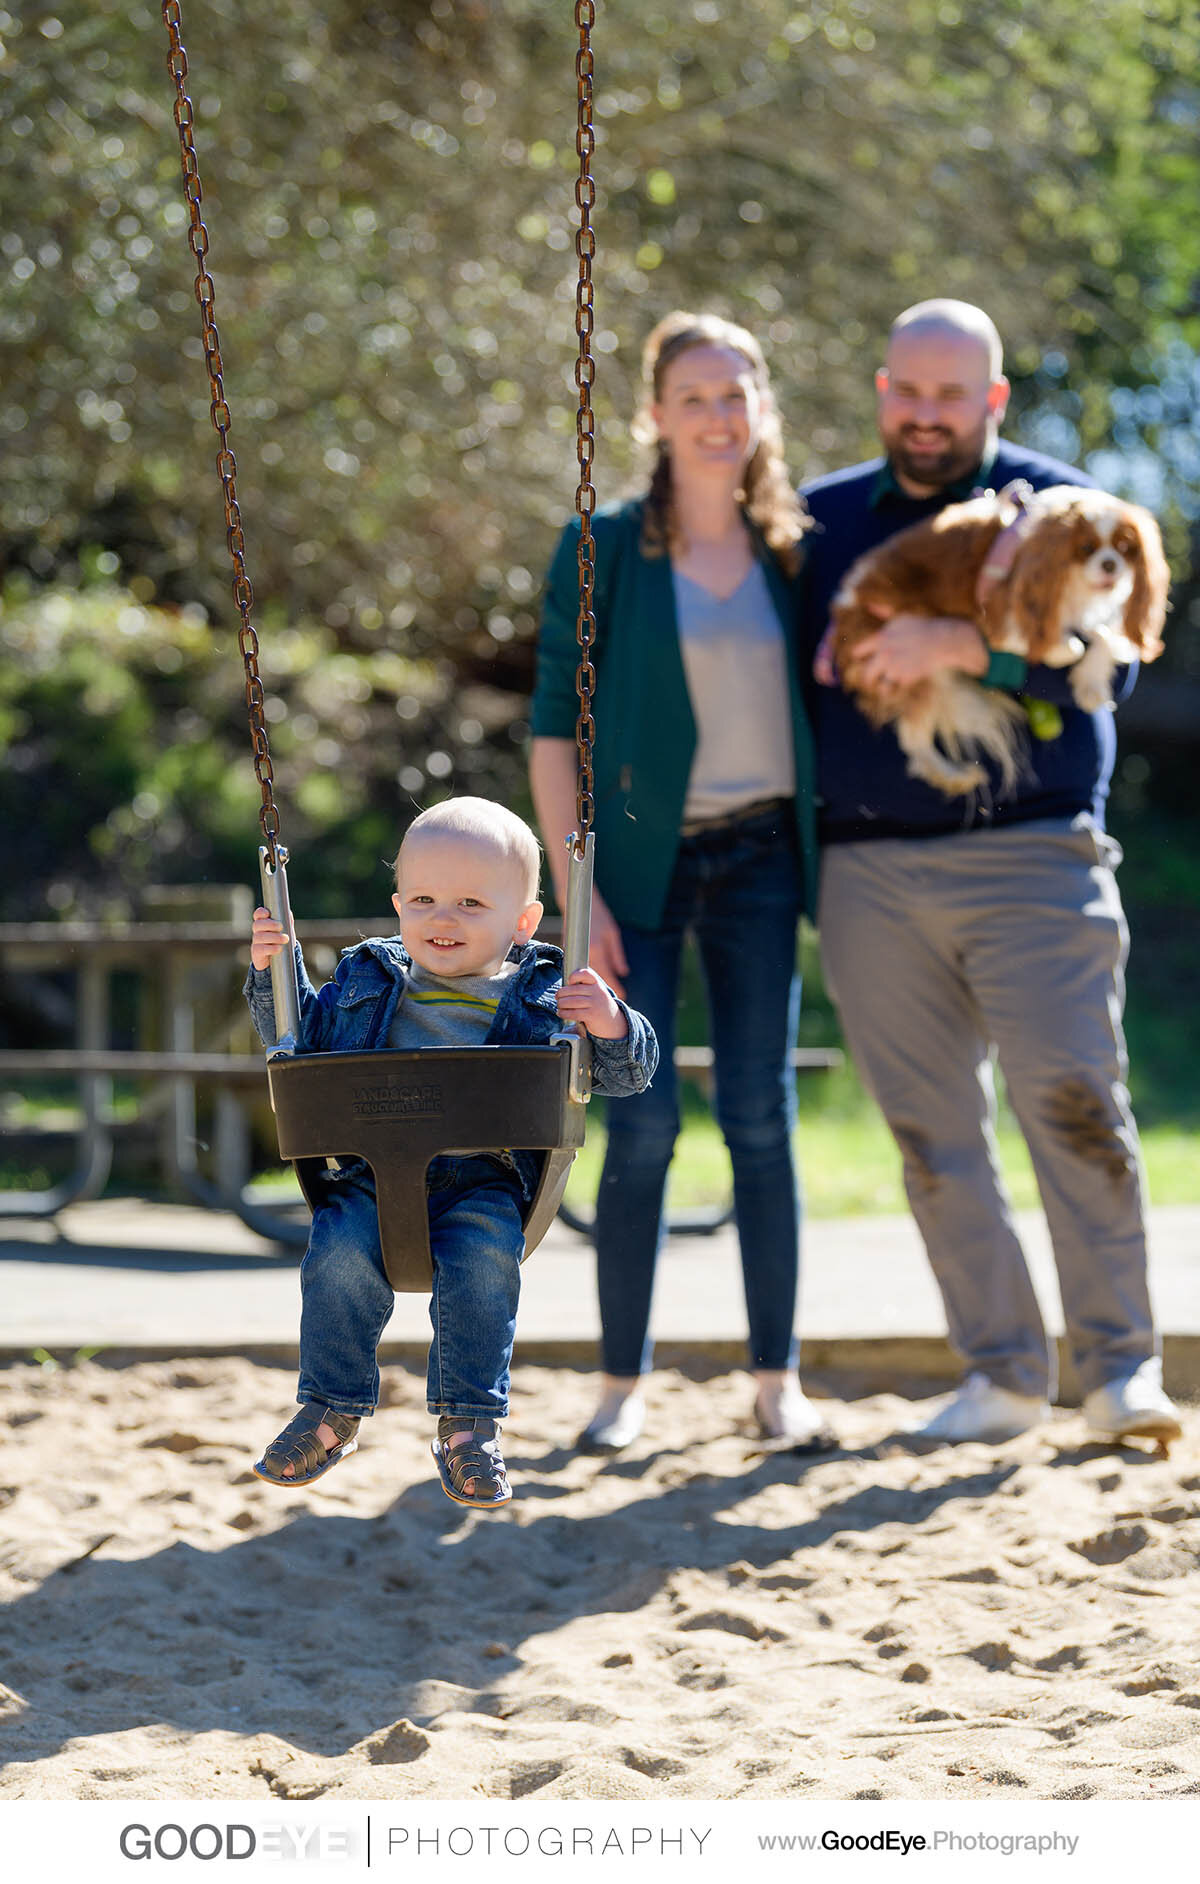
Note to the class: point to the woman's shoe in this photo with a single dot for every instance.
(616, 1423)
(788, 1419)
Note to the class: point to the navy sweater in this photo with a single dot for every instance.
(864, 790)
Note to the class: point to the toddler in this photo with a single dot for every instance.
(464, 970)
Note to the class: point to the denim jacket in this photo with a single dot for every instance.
(354, 1010)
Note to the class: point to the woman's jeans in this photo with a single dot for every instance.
(737, 887)
(477, 1240)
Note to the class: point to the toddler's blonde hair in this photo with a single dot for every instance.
(484, 823)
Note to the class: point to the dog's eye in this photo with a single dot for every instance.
(1087, 545)
(1124, 542)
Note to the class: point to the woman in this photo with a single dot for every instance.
(703, 790)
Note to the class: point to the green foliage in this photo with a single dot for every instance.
(389, 198)
(126, 758)
(388, 191)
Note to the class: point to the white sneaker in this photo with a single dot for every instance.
(981, 1410)
(615, 1424)
(1133, 1406)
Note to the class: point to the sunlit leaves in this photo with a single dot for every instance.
(388, 191)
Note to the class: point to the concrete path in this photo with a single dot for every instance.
(151, 1279)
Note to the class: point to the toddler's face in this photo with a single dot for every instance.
(461, 904)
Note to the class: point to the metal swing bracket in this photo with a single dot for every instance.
(285, 989)
(577, 934)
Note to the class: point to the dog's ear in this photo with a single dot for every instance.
(1146, 609)
(1039, 579)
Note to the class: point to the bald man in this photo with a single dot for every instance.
(955, 931)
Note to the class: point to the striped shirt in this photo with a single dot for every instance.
(453, 1011)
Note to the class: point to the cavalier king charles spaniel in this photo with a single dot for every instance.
(1064, 577)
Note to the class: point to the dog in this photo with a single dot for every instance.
(1064, 577)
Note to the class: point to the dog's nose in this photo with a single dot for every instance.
(1110, 564)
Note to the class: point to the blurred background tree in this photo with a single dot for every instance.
(389, 192)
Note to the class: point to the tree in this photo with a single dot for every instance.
(389, 194)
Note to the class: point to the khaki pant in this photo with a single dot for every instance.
(939, 953)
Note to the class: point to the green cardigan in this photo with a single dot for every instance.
(645, 729)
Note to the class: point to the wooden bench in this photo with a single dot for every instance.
(172, 957)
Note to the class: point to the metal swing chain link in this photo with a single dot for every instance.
(585, 373)
(243, 594)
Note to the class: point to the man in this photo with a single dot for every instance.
(950, 927)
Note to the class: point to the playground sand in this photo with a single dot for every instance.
(694, 1620)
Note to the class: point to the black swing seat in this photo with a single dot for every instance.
(399, 1110)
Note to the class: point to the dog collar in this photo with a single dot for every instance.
(1003, 552)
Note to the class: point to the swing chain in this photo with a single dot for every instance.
(585, 373)
(243, 594)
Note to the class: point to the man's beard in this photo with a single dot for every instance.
(936, 469)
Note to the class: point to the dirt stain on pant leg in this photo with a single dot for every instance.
(1081, 1117)
(915, 1150)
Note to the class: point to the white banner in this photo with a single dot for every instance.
(498, 1841)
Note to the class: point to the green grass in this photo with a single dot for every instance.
(847, 1160)
(849, 1165)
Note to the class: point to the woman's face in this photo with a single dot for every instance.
(709, 411)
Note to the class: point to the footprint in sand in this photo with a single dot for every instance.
(887, 1635)
(691, 1671)
(1112, 1546)
(396, 1745)
(1075, 1720)
(1072, 1656)
(734, 1623)
(653, 1765)
(1003, 1776)
(524, 1780)
(1153, 1679)
(549, 1707)
(998, 1656)
(290, 1775)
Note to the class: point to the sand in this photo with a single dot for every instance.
(695, 1619)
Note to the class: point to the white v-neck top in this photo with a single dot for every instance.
(735, 663)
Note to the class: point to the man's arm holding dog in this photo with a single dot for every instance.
(910, 647)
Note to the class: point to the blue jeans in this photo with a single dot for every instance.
(738, 890)
(477, 1239)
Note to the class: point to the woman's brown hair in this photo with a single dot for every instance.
(770, 501)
